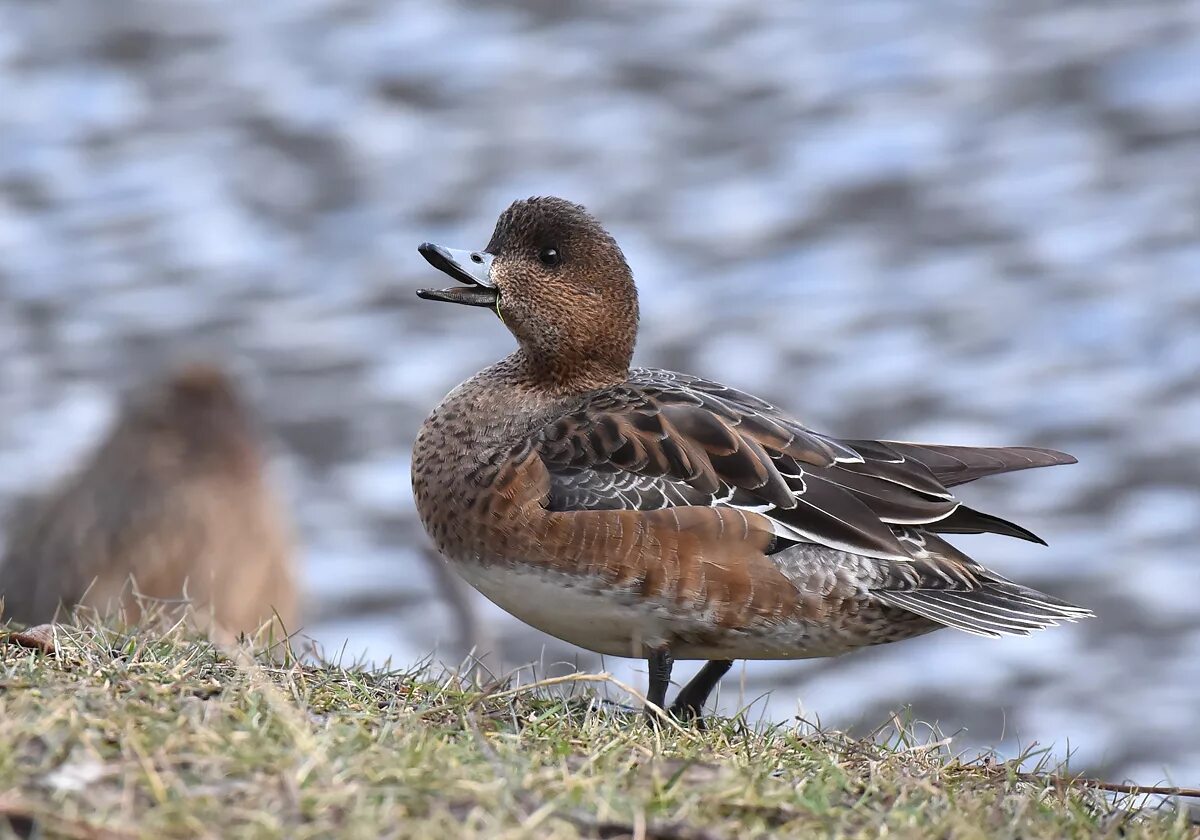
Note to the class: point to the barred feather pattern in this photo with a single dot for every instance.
(727, 519)
(665, 440)
(944, 585)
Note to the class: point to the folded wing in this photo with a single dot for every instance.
(663, 439)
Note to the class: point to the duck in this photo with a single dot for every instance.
(650, 514)
(172, 510)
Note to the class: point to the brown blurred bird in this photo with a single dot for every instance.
(648, 513)
(173, 507)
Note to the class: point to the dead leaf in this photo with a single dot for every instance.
(39, 638)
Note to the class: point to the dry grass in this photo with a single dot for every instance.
(122, 736)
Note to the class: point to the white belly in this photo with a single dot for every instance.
(574, 610)
(588, 613)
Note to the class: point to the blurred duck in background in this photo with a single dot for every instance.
(172, 514)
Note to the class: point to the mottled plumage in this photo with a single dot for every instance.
(650, 513)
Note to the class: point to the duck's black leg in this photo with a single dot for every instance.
(660, 662)
(689, 703)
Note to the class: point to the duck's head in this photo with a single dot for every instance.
(194, 413)
(561, 285)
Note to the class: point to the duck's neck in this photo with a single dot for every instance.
(566, 376)
(507, 400)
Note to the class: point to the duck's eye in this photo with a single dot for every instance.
(549, 256)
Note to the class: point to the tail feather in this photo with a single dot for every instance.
(998, 607)
(931, 608)
(1015, 592)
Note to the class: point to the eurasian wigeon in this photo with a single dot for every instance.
(645, 513)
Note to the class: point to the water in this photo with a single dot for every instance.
(965, 221)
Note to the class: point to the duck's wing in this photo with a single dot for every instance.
(954, 465)
(664, 440)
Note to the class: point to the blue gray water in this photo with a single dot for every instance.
(972, 222)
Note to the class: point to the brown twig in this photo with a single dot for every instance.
(1069, 781)
(1115, 787)
(1084, 782)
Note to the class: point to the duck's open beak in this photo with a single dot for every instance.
(474, 268)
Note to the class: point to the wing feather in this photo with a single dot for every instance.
(663, 439)
(954, 465)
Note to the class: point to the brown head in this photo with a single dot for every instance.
(561, 285)
(194, 416)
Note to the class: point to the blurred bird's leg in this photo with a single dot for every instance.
(473, 638)
(689, 703)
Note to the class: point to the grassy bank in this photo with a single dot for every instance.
(111, 736)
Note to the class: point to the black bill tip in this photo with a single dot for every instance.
(440, 258)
